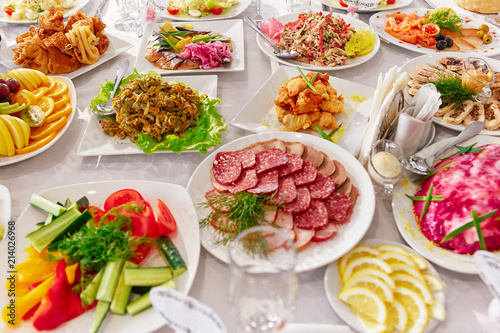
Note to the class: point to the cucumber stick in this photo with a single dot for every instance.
(149, 276)
(46, 205)
(109, 281)
(42, 237)
(143, 302)
(89, 294)
(171, 255)
(122, 293)
(74, 226)
(101, 311)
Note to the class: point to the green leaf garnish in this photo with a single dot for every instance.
(470, 224)
(445, 19)
(171, 44)
(432, 173)
(428, 199)
(335, 130)
(423, 198)
(322, 133)
(307, 81)
(468, 149)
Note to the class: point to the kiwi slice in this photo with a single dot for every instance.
(33, 115)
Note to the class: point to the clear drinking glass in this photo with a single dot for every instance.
(130, 14)
(263, 286)
(478, 76)
(385, 166)
(298, 6)
(494, 20)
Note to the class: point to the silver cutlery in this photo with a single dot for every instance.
(99, 9)
(107, 109)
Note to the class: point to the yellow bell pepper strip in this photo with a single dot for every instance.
(18, 307)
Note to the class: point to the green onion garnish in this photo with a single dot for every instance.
(433, 173)
(169, 43)
(307, 81)
(428, 198)
(468, 149)
(322, 133)
(475, 220)
(468, 225)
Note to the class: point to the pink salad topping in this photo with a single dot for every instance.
(210, 54)
(471, 183)
(273, 28)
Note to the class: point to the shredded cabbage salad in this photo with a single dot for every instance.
(31, 9)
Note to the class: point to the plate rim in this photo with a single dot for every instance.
(81, 4)
(91, 117)
(141, 62)
(332, 273)
(422, 50)
(19, 158)
(368, 10)
(187, 18)
(362, 180)
(265, 46)
(414, 237)
(195, 247)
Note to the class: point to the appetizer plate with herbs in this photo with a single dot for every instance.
(381, 6)
(377, 22)
(95, 142)
(116, 47)
(230, 12)
(314, 254)
(186, 240)
(408, 227)
(259, 114)
(230, 28)
(78, 4)
(411, 66)
(351, 62)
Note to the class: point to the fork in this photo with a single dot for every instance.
(258, 18)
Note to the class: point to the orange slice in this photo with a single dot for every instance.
(65, 111)
(50, 84)
(40, 92)
(58, 103)
(48, 128)
(60, 88)
(47, 104)
(24, 97)
(36, 144)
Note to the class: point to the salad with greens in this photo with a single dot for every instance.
(199, 8)
(145, 117)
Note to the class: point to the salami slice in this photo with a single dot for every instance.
(340, 175)
(327, 232)
(322, 187)
(315, 217)
(247, 180)
(293, 164)
(300, 204)
(287, 192)
(306, 175)
(218, 186)
(338, 206)
(269, 159)
(227, 167)
(246, 157)
(268, 182)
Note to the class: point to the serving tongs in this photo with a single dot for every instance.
(107, 108)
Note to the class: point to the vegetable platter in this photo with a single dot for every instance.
(185, 239)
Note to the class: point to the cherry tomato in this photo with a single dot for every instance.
(342, 3)
(54, 10)
(391, 2)
(8, 10)
(96, 213)
(216, 10)
(121, 197)
(166, 221)
(172, 10)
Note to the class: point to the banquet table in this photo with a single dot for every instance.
(467, 297)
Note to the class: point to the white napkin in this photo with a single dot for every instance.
(488, 265)
(427, 101)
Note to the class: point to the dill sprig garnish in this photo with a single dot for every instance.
(445, 19)
(233, 213)
(453, 91)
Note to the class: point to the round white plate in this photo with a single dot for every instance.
(405, 220)
(398, 4)
(268, 49)
(377, 22)
(186, 239)
(227, 13)
(6, 160)
(316, 254)
(411, 65)
(4, 210)
(78, 5)
(334, 285)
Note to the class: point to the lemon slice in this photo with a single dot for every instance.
(372, 283)
(433, 282)
(397, 317)
(397, 258)
(418, 315)
(365, 262)
(410, 282)
(356, 252)
(370, 325)
(402, 268)
(421, 263)
(391, 248)
(365, 301)
(376, 273)
(436, 310)
(443, 9)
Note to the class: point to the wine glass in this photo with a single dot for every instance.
(495, 20)
(385, 166)
(130, 11)
(478, 76)
(263, 286)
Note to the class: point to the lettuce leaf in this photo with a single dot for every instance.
(206, 133)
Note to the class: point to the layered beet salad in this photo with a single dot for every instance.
(467, 182)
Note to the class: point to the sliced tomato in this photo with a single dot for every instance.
(342, 3)
(216, 10)
(96, 213)
(166, 221)
(141, 252)
(391, 2)
(8, 10)
(121, 197)
(142, 223)
(172, 10)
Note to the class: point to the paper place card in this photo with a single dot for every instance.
(488, 265)
(185, 314)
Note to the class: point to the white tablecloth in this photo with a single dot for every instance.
(467, 298)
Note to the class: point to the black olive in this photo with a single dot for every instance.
(440, 36)
(441, 45)
(449, 41)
